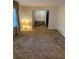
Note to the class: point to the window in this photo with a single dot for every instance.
(14, 18)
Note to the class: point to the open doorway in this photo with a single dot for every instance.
(40, 18)
(47, 18)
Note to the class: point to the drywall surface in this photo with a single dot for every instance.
(61, 19)
(27, 14)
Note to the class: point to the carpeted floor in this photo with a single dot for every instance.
(41, 43)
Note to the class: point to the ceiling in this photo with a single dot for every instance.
(41, 3)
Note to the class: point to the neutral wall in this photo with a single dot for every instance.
(26, 12)
(61, 19)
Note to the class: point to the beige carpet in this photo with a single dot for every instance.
(41, 43)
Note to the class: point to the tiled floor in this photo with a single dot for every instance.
(41, 43)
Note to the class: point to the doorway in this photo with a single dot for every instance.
(47, 18)
(40, 18)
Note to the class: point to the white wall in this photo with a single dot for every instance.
(61, 19)
(26, 12)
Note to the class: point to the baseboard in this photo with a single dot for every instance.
(60, 33)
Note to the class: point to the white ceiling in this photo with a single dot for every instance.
(41, 3)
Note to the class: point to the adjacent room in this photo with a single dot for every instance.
(38, 29)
